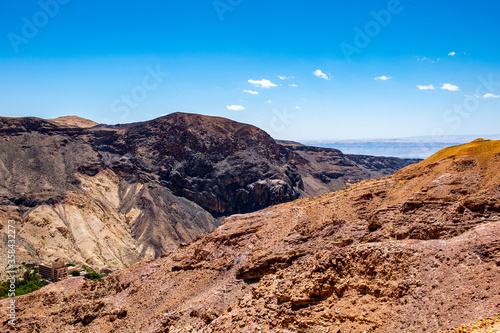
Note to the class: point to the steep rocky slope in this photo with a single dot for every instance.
(415, 252)
(111, 195)
(327, 170)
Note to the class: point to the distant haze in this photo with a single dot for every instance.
(411, 147)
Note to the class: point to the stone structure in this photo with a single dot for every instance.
(53, 270)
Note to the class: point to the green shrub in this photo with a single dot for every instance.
(91, 274)
(29, 282)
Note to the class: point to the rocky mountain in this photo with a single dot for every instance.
(418, 251)
(325, 169)
(109, 196)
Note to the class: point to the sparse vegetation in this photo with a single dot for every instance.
(91, 274)
(29, 282)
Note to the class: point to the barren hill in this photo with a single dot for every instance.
(112, 195)
(418, 251)
(74, 121)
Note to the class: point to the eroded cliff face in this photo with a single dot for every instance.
(413, 252)
(109, 196)
(108, 223)
(326, 170)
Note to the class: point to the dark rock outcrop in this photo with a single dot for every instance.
(224, 166)
(156, 180)
(417, 251)
(325, 170)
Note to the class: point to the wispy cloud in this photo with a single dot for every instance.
(297, 107)
(235, 107)
(428, 87)
(293, 85)
(428, 59)
(285, 77)
(383, 78)
(322, 75)
(269, 101)
(452, 54)
(488, 95)
(450, 87)
(262, 83)
(251, 92)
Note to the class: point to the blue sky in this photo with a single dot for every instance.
(298, 69)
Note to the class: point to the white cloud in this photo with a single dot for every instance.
(451, 54)
(383, 78)
(235, 107)
(428, 59)
(269, 101)
(450, 87)
(322, 75)
(262, 83)
(251, 92)
(293, 85)
(297, 107)
(429, 87)
(490, 96)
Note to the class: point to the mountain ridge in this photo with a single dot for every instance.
(149, 186)
(417, 251)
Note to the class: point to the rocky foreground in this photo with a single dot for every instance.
(418, 251)
(109, 196)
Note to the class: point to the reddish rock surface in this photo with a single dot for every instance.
(109, 196)
(415, 252)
